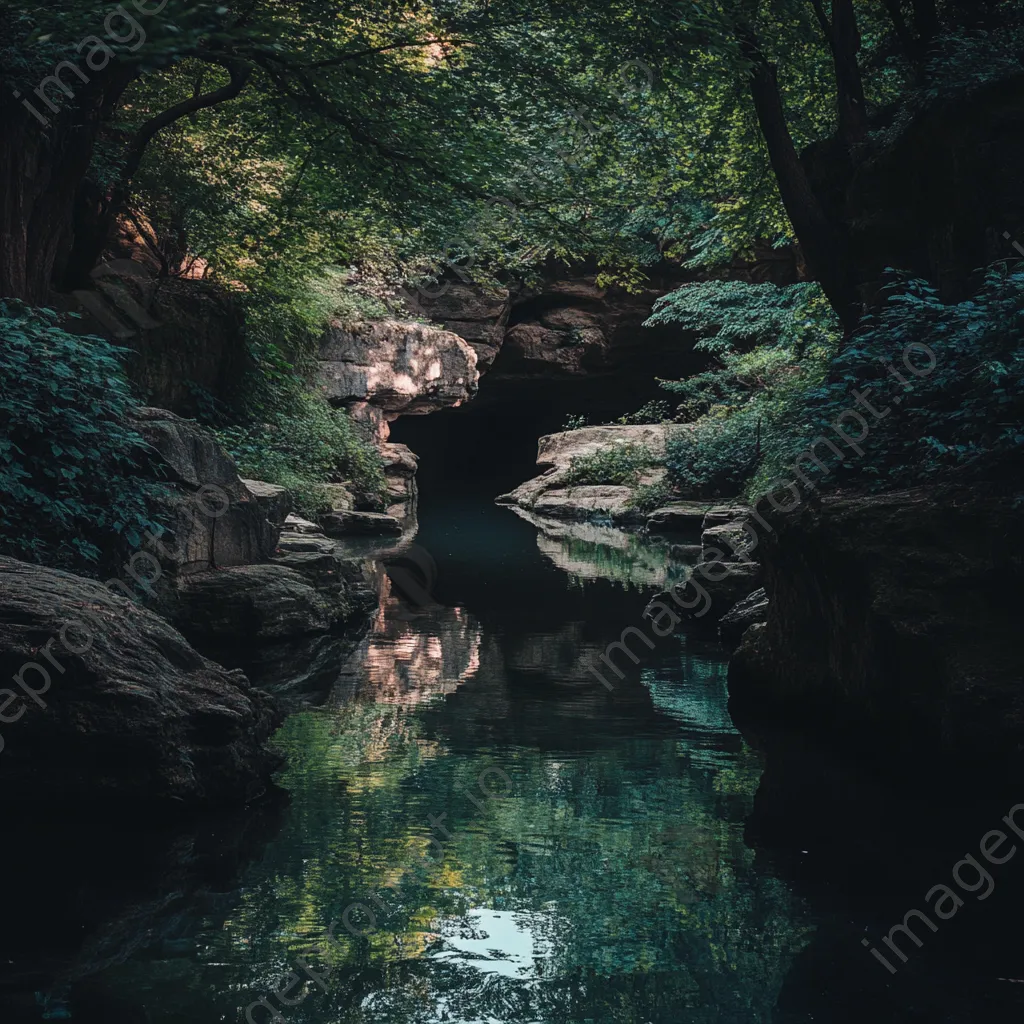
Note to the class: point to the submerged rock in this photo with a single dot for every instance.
(137, 716)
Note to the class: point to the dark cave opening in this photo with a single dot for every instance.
(489, 445)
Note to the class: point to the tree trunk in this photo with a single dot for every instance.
(42, 170)
(853, 118)
(824, 248)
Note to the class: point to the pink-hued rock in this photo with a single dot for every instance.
(399, 368)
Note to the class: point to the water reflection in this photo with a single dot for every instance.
(591, 551)
(609, 881)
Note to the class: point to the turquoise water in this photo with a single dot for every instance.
(508, 841)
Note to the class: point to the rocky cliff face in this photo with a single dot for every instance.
(388, 368)
(570, 327)
(897, 612)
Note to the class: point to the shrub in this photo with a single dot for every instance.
(969, 405)
(282, 429)
(714, 457)
(70, 462)
(655, 411)
(301, 443)
(648, 497)
(748, 412)
(616, 464)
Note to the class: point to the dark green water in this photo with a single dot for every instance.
(532, 847)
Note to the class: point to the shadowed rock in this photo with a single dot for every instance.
(137, 716)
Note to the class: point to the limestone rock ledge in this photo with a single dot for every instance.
(138, 716)
(550, 494)
(383, 369)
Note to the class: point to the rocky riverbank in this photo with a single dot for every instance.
(115, 698)
(563, 491)
(894, 613)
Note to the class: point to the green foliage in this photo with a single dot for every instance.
(968, 406)
(300, 442)
(655, 411)
(732, 315)
(715, 456)
(616, 464)
(771, 346)
(70, 462)
(756, 412)
(575, 421)
(647, 497)
(281, 429)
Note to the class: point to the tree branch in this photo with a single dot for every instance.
(240, 74)
(373, 51)
(826, 26)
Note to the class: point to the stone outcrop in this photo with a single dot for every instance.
(137, 716)
(249, 604)
(184, 337)
(213, 518)
(380, 370)
(898, 613)
(218, 585)
(753, 609)
(349, 524)
(722, 583)
(572, 327)
(550, 493)
(475, 313)
(400, 465)
(679, 517)
(275, 501)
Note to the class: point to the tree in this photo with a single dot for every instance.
(421, 92)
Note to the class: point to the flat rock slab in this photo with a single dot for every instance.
(302, 542)
(347, 524)
(679, 516)
(296, 524)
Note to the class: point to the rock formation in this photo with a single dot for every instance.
(380, 370)
(895, 612)
(203, 531)
(126, 710)
(551, 494)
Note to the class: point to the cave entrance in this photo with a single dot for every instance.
(489, 445)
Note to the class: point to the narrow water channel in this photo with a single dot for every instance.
(517, 843)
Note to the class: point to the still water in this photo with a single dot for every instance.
(515, 843)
